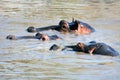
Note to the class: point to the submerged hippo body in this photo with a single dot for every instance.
(75, 26)
(95, 48)
(42, 37)
(101, 48)
(91, 48)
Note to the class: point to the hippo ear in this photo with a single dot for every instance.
(73, 20)
(76, 22)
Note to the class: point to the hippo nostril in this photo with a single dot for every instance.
(43, 39)
(63, 26)
(10, 38)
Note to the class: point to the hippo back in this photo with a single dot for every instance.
(87, 25)
(105, 49)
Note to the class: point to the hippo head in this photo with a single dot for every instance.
(80, 47)
(31, 29)
(42, 37)
(63, 26)
(11, 37)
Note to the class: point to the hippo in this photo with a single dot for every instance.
(42, 37)
(76, 26)
(92, 48)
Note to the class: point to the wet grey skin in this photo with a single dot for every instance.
(63, 26)
(33, 29)
(13, 37)
(37, 36)
(54, 47)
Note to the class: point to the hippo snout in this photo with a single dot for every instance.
(11, 37)
(31, 29)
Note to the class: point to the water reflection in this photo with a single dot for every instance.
(31, 59)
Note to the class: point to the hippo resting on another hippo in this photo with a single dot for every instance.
(42, 37)
(77, 27)
(91, 48)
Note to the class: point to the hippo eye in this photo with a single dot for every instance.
(81, 26)
(11, 38)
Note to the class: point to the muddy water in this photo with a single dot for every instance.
(31, 60)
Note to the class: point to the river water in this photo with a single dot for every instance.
(30, 59)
